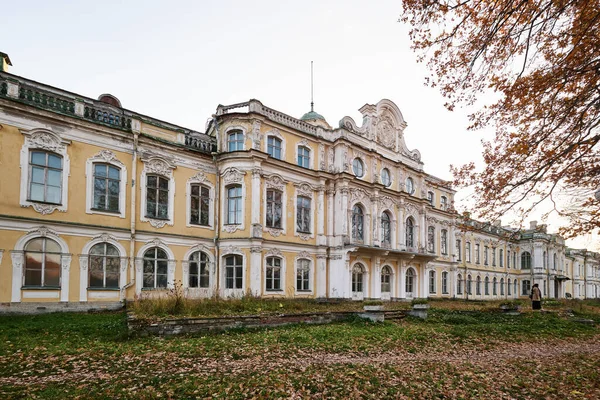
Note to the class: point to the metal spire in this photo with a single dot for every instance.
(312, 103)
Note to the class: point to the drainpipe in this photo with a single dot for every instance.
(133, 215)
(217, 210)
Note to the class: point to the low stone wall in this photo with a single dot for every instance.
(42, 308)
(179, 326)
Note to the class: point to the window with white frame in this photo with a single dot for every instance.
(478, 286)
(199, 270)
(358, 167)
(410, 186)
(458, 250)
(410, 280)
(274, 147)
(157, 197)
(235, 140)
(45, 177)
(431, 198)
(303, 212)
(357, 278)
(273, 274)
(493, 256)
(501, 257)
(526, 285)
(485, 255)
(104, 266)
(107, 184)
(526, 260)
(386, 228)
(234, 205)
(495, 286)
(469, 284)
(487, 286)
(233, 272)
(410, 232)
(508, 287)
(514, 259)
(386, 279)
(304, 156)
(444, 203)
(199, 205)
(155, 268)
(444, 282)
(431, 239)
(444, 241)
(274, 209)
(386, 179)
(303, 275)
(501, 286)
(42, 263)
(358, 220)
(477, 260)
(507, 258)
(459, 284)
(468, 252)
(431, 281)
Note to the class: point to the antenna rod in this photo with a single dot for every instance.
(311, 87)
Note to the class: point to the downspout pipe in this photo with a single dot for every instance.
(133, 216)
(217, 209)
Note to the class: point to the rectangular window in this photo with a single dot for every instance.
(106, 187)
(444, 283)
(274, 209)
(233, 272)
(157, 197)
(45, 177)
(526, 284)
(199, 205)
(235, 141)
(303, 276)
(468, 252)
(458, 250)
(444, 242)
(303, 157)
(234, 205)
(477, 253)
(273, 274)
(501, 257)
(431, 281)
(507, 258)
(303, 214)
(274, 147)
(493, 256)
(485, 255)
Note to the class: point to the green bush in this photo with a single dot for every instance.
(419, 301)
(373, 303)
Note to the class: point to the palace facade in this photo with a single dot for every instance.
(101, 204)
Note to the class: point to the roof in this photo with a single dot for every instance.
(312, 115)
(5, 56)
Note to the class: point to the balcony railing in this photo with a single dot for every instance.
(46, 100)
(107, 117)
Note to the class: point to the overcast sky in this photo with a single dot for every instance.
(178, 60)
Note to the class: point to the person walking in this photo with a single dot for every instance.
(536, 297)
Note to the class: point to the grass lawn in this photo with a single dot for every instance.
(453, 354)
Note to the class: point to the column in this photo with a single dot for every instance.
(321, 271)
(17, 275)
(255, 270)
(423, 230)
(424, 281)
(83, 275)
(375, 278)
(337, 279)
(400, 244)
(321, 216)
(255, 215)
(330, 214)
(401, 280)
(65, 261)
(375, 221)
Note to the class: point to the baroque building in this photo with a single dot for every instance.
(100, 204)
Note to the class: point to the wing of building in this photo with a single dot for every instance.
(99, 204)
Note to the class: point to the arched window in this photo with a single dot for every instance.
(410, 232)
(410, 186)
(386, 228)
(107, 182)
(432, 286)
(157, 197)
(515, 287)
(386, 178)
(199, 272)
(303, 275)
(501, 256)
(42, 263)
(104, 265)
(495, 286)
(235, 140)
(526, 260)
(444, 282)
(358, 167)
(199, 205)
(431, 239)
(459, 284)
(273, 275)
(155, 268)
(357, 278)
(358, 220)
(274, 147)
(410, 280)
(469, 285)
(304, 156)
(478, 286)
(508, 286)
(233, 272)
(274, 209)
(234, 205)
(45, 171)
(487, 286)
(386, 275)
(501, 286)
(444, 241)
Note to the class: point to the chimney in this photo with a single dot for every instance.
(498, 223)
(4, 62)
(533, 225)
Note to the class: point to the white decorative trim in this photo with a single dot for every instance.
(105, 157)
(278, 183)
(42, 139)
(232, 176)
(311, 152)
(155, 164)
(1, 254)
(41, 294)
(306, 190)
(274, 252)
(139, 264)
(275, 133)
(227, 251)
(200, 178)
(228, 130)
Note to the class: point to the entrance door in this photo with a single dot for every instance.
(358, 273)
(411, 284)
(556, 289)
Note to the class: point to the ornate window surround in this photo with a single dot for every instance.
(276, 134)
(200, 179)
(306, 190)
(234, 128)
(275, 182)
(84, 261)
(185, 264)
(274, 252)
(390, 174)
(365, 281)
(158, 165)
(361, 156)
(232, 251)
(43, 139)
(18, 262)
(139, 265)
(311, 156)
(105, 157)
(304, 255)
(232, 176)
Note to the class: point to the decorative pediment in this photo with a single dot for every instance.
(107, 156)
(46, 140)
(386, 202)
(275, 181)
(157, 164)
(43, 231)
(105, 237)
(359, 195)
(199, 177)
(233, 175)
(273, 252)
(231, 250)
(274, 132)
(304, 189)
(156, 242)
